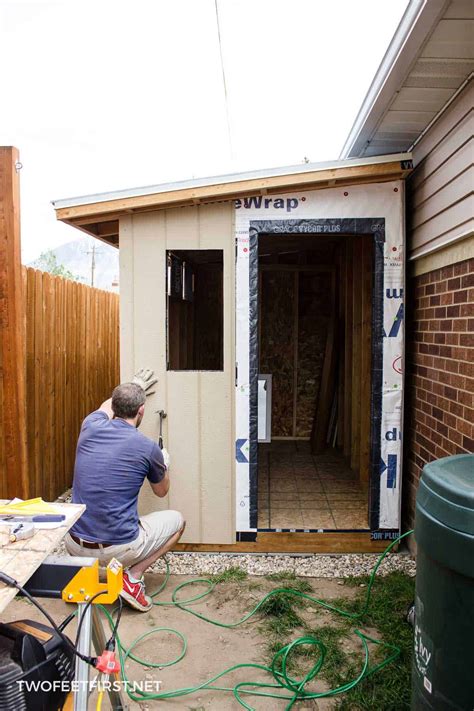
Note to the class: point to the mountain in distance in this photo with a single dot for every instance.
(78, 257)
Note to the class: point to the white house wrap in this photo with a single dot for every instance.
(360, 209)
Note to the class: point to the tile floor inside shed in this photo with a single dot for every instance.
(299, 490)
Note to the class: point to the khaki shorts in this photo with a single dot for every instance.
(155, 530)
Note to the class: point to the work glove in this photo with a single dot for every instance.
(166, 457)
(144, 378)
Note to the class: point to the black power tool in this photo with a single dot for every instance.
(36, 667)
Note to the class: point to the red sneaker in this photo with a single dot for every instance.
(134, 594)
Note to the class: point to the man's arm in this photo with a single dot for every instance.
(158, 474)
(162, 488)
(144, 378)
(107, 408)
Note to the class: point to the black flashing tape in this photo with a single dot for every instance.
(374, 226)
(253, 374)
(315, 530)
(376, 394)
(246, 536)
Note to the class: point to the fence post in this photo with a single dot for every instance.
(13, 471)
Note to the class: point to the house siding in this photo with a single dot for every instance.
(440, 199)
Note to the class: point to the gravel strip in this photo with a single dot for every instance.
(310, 566)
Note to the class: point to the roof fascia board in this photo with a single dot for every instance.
(412, 33)
(226, 180)
(351, 172)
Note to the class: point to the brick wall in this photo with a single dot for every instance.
(439, 390)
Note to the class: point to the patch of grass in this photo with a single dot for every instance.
(280, 613)
(389, 688)
(231, 575)
(331, 637)
(353, 581)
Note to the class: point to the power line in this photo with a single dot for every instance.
(224, 81)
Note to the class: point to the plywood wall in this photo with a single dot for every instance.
(199, 428)
(295, 307)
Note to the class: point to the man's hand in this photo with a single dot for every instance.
(144, 378)
(166, 457)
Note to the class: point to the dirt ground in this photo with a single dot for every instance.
(210, 649)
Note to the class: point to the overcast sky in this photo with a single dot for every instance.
(100, 95)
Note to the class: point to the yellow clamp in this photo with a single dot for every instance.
(86, 583)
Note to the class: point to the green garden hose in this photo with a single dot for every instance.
(282, 681)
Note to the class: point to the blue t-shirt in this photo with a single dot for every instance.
(112, 460)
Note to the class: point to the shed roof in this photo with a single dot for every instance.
(99, 214)
(428, 62)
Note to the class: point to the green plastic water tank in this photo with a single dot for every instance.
(443, 662)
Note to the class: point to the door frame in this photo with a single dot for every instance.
(350, 227)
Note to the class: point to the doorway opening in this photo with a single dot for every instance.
(315, 341)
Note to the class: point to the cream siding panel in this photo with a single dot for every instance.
(216, 396)
(440, 192)
(147, 334)
(184, 429)
(451, 193)
(445, 222)
(432, 176)
(198, 431)
(451, 238)
(458, 252)
(445, 149)
(126, 298)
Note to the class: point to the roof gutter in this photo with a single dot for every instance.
(412, 33)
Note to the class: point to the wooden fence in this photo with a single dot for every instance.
(59, 358)
(72, 365)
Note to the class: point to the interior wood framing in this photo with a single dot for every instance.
(346, 371)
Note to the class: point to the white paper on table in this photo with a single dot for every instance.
(68, 513)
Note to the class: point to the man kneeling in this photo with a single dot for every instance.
(112, 461)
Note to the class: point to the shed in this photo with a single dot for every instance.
(270, 306)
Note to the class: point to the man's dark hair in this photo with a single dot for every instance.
(127, 398)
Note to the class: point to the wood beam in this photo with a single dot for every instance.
(13, 474)
(356, 350)
(108, 229)
(227, 191)
(294, 543)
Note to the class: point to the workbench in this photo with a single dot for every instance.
(21, 559)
